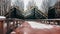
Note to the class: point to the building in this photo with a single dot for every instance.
(57, 9)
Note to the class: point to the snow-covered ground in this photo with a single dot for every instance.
(39, 25)
(35, 24)
(2, 17)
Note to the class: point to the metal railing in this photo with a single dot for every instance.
(14, 23)
(9, 24)
(49, 21)
(46, 21)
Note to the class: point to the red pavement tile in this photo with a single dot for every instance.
(27, 29)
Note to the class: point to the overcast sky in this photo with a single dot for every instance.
(39, 3)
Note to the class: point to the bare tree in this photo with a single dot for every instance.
(4, 6)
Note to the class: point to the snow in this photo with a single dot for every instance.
(39, 25)
(5, 25)
(13, 32)
(2, 17)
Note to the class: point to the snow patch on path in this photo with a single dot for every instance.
(39, 25)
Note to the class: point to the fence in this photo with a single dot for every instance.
(7, 24)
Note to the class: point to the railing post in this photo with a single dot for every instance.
(1, 26)
(4, 30)
(14, 24)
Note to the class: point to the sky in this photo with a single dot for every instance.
(39, 3)
(25, 4)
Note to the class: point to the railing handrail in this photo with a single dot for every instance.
(49, 19)
(26, 19)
